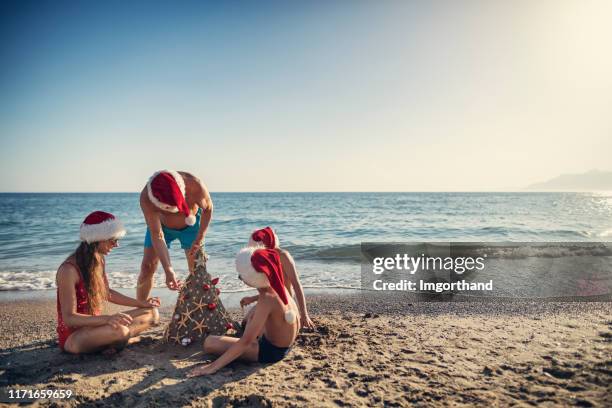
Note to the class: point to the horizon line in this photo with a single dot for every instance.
(322, 192)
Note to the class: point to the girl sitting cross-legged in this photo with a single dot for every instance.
(82, 289)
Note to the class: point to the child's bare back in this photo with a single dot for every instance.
(276, 329)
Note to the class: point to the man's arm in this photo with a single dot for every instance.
(207, 210)
(157, 239)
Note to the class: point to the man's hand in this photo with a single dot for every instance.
(119, 319)
(202, 369)
(151, 302)
(195, 246)
(306, 322)
(245, 301)
(171, 282)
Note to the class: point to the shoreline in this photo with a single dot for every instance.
(366, 350)
(231, 299)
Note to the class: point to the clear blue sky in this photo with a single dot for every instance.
(308, 96)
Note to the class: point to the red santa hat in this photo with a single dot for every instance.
(166, 190)
(100, 226)
(265, 236)
(262, 268)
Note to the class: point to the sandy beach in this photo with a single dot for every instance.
(364, 352)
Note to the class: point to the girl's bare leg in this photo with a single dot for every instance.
(142, 319)
(92, 339)
(217, 345)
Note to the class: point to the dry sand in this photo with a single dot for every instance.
(364, 352)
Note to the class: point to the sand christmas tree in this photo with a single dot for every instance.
(198, 312)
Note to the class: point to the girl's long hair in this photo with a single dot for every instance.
(92, 270)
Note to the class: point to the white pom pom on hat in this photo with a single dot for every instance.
(190, 220)
(290, 316)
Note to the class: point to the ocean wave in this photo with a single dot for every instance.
(338, 253)
(352, 253)
(23, 280)
(9, 223)
(491, 250)
(548, 251)
(236, 221)
(45, 280)
(41, 280)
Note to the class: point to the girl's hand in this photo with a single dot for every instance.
(245, 301)
(202, 369)
(151, 302)
(119, 319)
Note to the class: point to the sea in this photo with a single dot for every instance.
(323, 231)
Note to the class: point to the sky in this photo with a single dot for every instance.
(304, 96)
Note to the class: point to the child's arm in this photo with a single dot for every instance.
(291, 273)
(247, 300)
(120, 299)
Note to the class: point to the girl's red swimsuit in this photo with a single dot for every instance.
(82, 299)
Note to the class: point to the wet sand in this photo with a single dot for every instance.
(366, 351)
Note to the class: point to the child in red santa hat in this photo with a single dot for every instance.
(275, 320)
(82, 289)
(266, 237)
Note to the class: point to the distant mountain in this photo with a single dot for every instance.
(594, 180)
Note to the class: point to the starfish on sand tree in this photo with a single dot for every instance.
(199, 305)
(187, 313)
(177, 338)
(183, 322)
(198, 312)
(200, 326)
